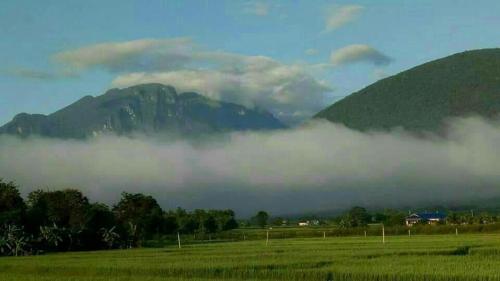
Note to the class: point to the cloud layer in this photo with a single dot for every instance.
(358, 53)
(318, 167)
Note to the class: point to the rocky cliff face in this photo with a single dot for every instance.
(147, 109)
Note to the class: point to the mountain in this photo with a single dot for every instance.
(421, 98)
(146, 108)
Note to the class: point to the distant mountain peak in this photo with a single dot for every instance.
(146, 108)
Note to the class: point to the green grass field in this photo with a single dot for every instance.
(426, 258)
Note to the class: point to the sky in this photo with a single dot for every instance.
(290, 57)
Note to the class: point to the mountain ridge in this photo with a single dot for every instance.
(424, 97)
(145, 108)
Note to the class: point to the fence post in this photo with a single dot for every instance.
(456, 231)
(409, 232)
(365, 233)
(324, 234)
(267, 237)
(179, 239)
(383, 234)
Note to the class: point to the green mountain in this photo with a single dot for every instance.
(421, 98)
(146, 108)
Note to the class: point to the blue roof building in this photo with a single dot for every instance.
(426, 217)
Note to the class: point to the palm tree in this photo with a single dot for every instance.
(13, 241)
(3, 241)
(109, 236)
(17, 244)
(73, 236)
(51, 234)
(133, 235)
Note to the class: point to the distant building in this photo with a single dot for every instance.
(309, 222)
(304, 223)
(429, 218)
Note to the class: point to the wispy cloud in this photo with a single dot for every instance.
(143, 54)
(341, 15)
(358, 53)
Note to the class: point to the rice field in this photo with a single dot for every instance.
(420, 257)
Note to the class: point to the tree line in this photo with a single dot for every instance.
(360, 217)
(65, 220)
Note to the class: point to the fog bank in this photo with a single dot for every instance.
(321, 166)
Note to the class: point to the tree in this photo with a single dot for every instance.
(200, 216)
(453, 218)
(141, 211)
(230, 224)
(395, 218)
(170, 224)
(278, 221)
(358, 216)
(261, 218)
(12, 207)
(64, 220)
(189, 224)
(210, 225)
(65, 208)
(225, 219)
(98, 217)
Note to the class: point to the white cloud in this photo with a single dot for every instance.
(358, 53)
(144, 54)
(285, 90)
(341, 15)
(320, 166)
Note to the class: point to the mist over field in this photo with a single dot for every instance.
(320, 166)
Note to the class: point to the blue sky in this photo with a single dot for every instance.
(289, 43)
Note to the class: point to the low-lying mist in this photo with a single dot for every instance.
(317, 167)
